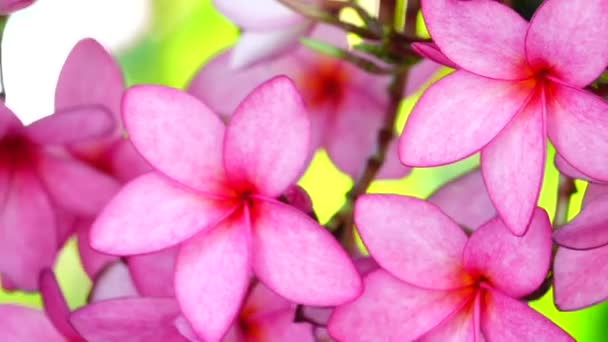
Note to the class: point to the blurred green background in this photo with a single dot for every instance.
(184, 34)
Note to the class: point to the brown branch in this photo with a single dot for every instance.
(565, 190)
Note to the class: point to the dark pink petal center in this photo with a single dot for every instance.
(17, 151)
(324, 83)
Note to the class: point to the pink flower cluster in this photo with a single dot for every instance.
(191, 225)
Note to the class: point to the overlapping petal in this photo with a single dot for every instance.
(19, 323)
(589, 229)
(153, 272)
(580, 277)
(569, 38)
(460, 29)
(457, 116)
(465, 199)
(577, 126)
(28, 236)
(92, 261)
(460, 326)
(114, 281)
(285, 239)
(268, 139)
(434, 55)
(151, 213)
(413, 240)
(128, 319)
(258, 15)
(220, 260)
(55, 306)
(176, 134)
(513, 167)
(392, 310)
(9, 6)
(515, 265)
(507, 319)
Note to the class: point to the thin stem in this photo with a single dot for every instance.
(3, 20)
(566, 189)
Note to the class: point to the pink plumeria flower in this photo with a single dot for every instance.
(266, 316)
(40, 183)
(580, 269)
(9, 6)
(213, 190)
(465, 200)
(269, 29)
(345, 104)
(438, 284)
(91, 77)
(518, 84)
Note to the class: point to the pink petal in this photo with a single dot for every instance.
(434, 55)
(298, 198)
(128, 226)
(89, 76)
(72, 125)
(460, 326)
(506, 319)
(258, 46)
(19, 323)
(9, 122)
(577, 125)
(413, 240)
(580, 277)
(176, 134)
(565, 168)
(419, 75)
(128, 319)
(391, 310)
(594, 192)
(262, 301)
(465, 200)
(28, 236)
(153, 272)
(589, 229)
(75, 186)
(569, 39)
(515, 265)
(92, 261)
(55, 306)
(513, 165)
(126, 162)
(281, 327)
(352, 137)
(113, 282)
(285, 239)
(435, 134)
(9, 6)
(258, 15)
(273, 116)
(484, 37)
(220, 259)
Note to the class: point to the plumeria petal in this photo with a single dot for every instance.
(75, 124)
(112, 282)
(76, 186)
(577, 125)
(515, 265)
(465, 200)
(257, 46)
(513, 166)
(273, 116)
(565, 168)
(507, 319)
(392, 167)
(580, 277)
(285, 239)
(569, 39)
(220, 259)
(92, 261)
(128, 319)
(259, 15)
(153, 272)
(589, 229)
(353, 133)
(9, 6)
(28, 237)
(55, 306)
(445, 125)
(594, 192)
(460, 29)
(281, 327)
(19, 323)
(392, 310)
(419, 75)
(126, 162)
(89, 76)
(460, 326)
(434, 55)
(176, 134)
(127, 225)
(413, 240)
(9, 122)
